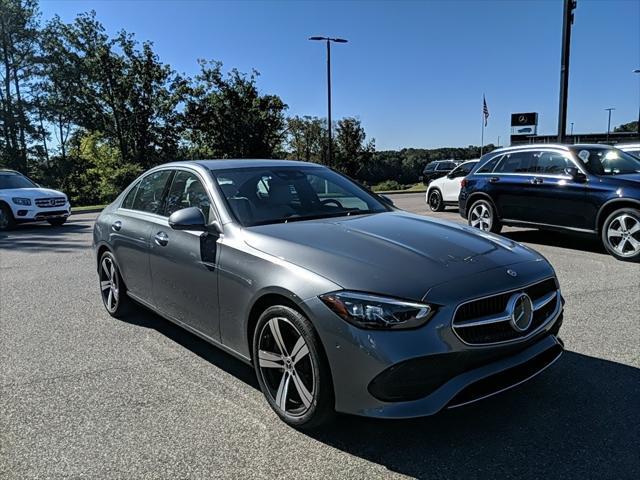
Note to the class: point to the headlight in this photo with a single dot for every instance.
(21, 201)
(375, 312)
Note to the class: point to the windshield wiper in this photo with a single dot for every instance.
(343, 213)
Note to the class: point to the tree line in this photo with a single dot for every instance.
(86, 112)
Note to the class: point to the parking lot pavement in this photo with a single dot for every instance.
(84, 395)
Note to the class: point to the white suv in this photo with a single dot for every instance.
(22, 200)
(444, 191)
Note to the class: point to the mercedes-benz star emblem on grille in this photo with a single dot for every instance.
(513, 273)
(520, 309)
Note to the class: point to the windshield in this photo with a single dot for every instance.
(263, 195)
(607, 161)
(14, 180)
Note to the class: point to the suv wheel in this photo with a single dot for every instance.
(112, 288)
(482, 215)
(291, 368)
(7, 221)
(621, 234)
(435, 201)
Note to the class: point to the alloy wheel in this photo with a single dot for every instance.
(434, 201)
(285, 366)
(109, 284)
(481, 217)
(623, 235)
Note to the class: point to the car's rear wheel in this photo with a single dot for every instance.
(482, 215)
(292, 370)
(112, 288)
(435, 201)
(7, 222)
(57, 222)
(621, 234)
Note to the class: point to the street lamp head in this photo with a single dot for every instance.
(637, 70)
(318, 38)
(339, 40)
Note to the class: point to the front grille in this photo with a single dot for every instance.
(50, 202)
(486, 320)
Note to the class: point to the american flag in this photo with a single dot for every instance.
(485, 110)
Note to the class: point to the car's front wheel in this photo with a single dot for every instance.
(621, 234)
(435, 201)
(7, 221)
(482, 215)
(292, 370)
(112, 288)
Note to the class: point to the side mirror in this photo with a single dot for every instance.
(190, 218)
(387, 200)
(576, 174)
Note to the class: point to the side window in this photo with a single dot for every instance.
(551, 163)
(517, 162)
(430, 168)
(128, 200)
(490, 165)
(150, 190)
(187, 191)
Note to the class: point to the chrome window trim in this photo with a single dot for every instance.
(565, 152)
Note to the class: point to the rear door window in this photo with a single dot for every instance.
(516, 162)
(150, 192)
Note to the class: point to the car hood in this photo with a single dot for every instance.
(31, 192)
(394, 253)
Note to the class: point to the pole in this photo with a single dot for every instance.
(572, 129)
(330, 149)
(498, 141)
(638, 72)
(482, 141)
(567, 21)
(609, 122)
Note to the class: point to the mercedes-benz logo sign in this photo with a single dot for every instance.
(522, 119)
(520, 310)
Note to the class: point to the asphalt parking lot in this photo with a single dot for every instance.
(84, 395)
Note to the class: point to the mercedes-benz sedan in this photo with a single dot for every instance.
(340, 301)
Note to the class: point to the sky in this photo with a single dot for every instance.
(414, 72)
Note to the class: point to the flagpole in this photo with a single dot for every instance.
(483, 122)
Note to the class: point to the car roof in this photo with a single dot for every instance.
(628, 146)
(223, 164)
(559, 146)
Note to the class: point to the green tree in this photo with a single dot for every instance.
(227, 117)
(352, 151)
(307, 139)
(627, 127)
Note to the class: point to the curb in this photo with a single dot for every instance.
(401, 192)
(90, 210)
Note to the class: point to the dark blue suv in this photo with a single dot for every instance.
(593, 189)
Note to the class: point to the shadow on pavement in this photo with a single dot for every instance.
(579, 419)
(33, 237)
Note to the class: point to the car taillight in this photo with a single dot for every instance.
(463, 183)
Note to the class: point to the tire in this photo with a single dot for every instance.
(435, 201)
(297, 386)
(113, 293)
(57, 222)
(482, 215)
(621, 234)
(7, 222)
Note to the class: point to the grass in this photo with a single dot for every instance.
(416, 187)
(86, 208)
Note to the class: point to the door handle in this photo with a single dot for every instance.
(494, 179)
(536, 181)
(116, 226)
(161, 239)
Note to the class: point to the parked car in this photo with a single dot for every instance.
(340, 301)
(22, 200)
(444, 191)
(591, 189)
(632, 148)
(437, 169)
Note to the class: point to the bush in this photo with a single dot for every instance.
(389, 185)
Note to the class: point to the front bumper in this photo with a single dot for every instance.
(413, 373)
(33, 213)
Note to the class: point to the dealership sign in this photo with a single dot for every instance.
(524, 124)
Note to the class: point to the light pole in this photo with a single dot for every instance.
(572, 129)
(609, 122)
(329, 40)
(637, 70)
